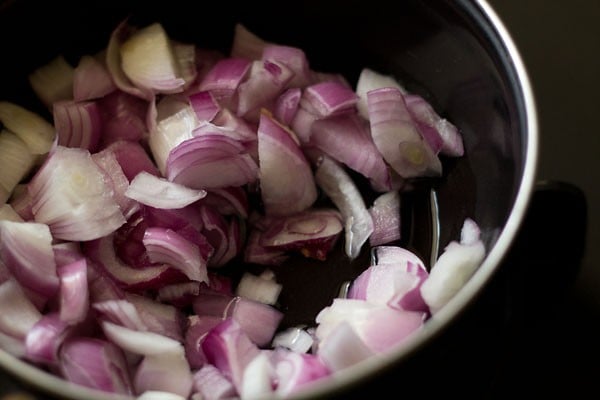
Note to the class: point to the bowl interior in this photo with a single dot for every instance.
(447, 51)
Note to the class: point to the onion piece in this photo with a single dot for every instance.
(70, 194)
(53, 81)
(102, 252)
(258, 288)
(257, 377)
(116, 179)
(246, 44)
(256, 253)
(266, 80)
(17, 313)
(168, 372)
(442, 134)
(294, 371)
(229, 349)
(132, 158)
(397, 137)
(30, 127)
(340, 188)
(16, 161)
(78, 124)
(286, 180)
(292, 57)
(348, 140)
(148, 60)
(385, 213)
(26, 249)
(295, 339)
(74, 296)
(204, 105)
(258, 321)
(224, 78)
(212, 384)
(113, 63)
(157, 192)
(454, 267)
(123, 117)
(313, 232)
(169, 134)
(185, 58)
(395, 280)
(159, 395)
(166, 246)
(287, 104)
(378, 326)
(7, 213)
(330, 98)
(343, 348)
(96, 364)
(210, 161)
(45, 338)
(179, 294)
(198, 327)
(231, 200)
(91, 80)
(370, 80)
(20, 201)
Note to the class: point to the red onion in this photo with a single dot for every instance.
(74, 299)
(211, 384)
(16, 161)
(454, 267)
(91, 80)
(157, 192)
(286, 179)
(397, 137)
(340, 188)
(31, 128)
(53, 81)
(385, 213)
(18, 315)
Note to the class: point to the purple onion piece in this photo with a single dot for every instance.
(313, 233)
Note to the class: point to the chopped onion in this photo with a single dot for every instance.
(168, 372)
(224, 78)
(287, 104)
(395, 280)
(343, 348)
(258, 288)
(91, 80)
(148, 60)
(348, 140)
(340, 188)
(132, 158)
(53, 81)
(7, 213)
(312, 233)
(74, 298)
(159, 395)
(18, 315)
(378, 326)
(229, 349)
(157, 192)
(123, 118)
(78, 124)
(330, 98)
(45, 338)
(292, 57)
(96, 364)
(385, 213)
(370, 80)
(16, 161)
(166, 246)
(293, 370)
(294, 339)
(246, 44)
(211, 384)
(286, 180)
(454, 267)
(34, 130)
(70, 195)
(267, 79)
(26, 249)
(204, 105)
(438, 131)
(397, 137)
